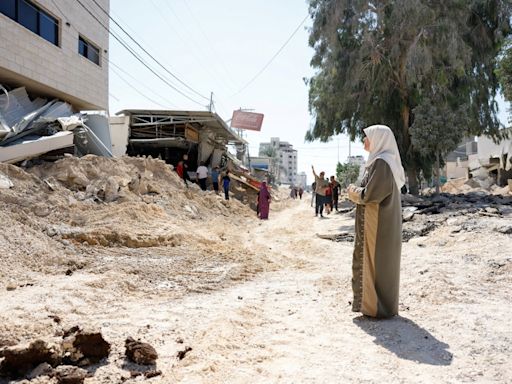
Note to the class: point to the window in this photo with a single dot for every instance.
(8, 8)
(33, 18)
(88, 50)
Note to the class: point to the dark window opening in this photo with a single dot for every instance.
(33, 18)
(8, 8)
(88, 50)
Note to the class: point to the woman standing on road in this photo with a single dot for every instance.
(378, 243)
(264, 201)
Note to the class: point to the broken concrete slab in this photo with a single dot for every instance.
(33, 146)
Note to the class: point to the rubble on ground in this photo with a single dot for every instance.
(140, 352)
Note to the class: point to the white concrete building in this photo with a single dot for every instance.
(286, 156)
(56, 49)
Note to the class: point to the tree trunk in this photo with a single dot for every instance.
(437, 173)
(411, 171)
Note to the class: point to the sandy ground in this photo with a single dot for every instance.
(264, 301)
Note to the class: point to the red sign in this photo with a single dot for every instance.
(247, 120)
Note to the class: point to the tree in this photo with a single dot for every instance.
(438, 130)
(377, 61)
(347, 173)
(505, 73)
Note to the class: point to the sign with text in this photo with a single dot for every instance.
(247, 120)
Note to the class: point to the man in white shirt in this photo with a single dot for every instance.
(202, 175)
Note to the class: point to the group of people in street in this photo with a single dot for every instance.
(325, 193)
(296, 192)
(217, 178)
(201, 176)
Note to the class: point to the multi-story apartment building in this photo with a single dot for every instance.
(284, 160)
(56, 49)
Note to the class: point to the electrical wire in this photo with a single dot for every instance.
(134, 54)
(107, 60)
(272, 58)
(147, 53)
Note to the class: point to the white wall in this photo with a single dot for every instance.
(27, 59)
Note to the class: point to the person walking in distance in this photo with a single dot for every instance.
(202, 175)
(335, 186)
(378, 242)
(264, 201)
(226, 180)
(313, 193)
(321, 187)
(215, 179)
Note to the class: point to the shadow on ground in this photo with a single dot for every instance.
(406, 339)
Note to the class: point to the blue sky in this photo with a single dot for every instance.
(219, 46)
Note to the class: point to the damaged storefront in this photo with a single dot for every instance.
(168, 135)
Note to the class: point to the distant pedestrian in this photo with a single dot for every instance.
(264, 201)
(313, 193)
(378, 242)
(215, 179)
(301, 191)
(328, 198)
(202, 175)
(179, 169)
(185, 169)
(335, 186)
(321, 186)
(226, 180)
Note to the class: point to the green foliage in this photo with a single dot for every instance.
(437, 128)
(347, 173)
(505, 73)
(376, 62)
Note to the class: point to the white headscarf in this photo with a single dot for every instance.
(383, 146)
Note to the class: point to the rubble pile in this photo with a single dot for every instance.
(475, 184)
(31, 128)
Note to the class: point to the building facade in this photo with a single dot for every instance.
(56, 49)
(283, 160)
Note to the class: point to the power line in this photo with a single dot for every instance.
(272, 58)
(137, 90)
(210, 45)
(134, 54)
(107, 60)
(147, 53)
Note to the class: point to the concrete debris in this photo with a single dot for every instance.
(67, 374)
(19, 361)
(43, 369)
(139, 352)
(30, 129)
(85, 348)
(5, 182)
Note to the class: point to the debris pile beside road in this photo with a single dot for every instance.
(32, 128)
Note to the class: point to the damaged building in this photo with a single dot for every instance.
(168, 135)
(56, 50)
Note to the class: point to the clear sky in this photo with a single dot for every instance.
(219, 46)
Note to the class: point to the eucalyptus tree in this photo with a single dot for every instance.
(505, 73)
(376, 61)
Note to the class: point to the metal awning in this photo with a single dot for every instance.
(206, 120)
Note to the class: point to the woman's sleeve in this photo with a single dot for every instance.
(379, 186)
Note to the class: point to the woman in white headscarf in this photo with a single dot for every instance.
(378, 243)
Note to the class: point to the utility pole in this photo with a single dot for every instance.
(211, 102)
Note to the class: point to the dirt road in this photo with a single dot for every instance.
(293, 323)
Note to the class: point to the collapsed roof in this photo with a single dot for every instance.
(158, 127)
